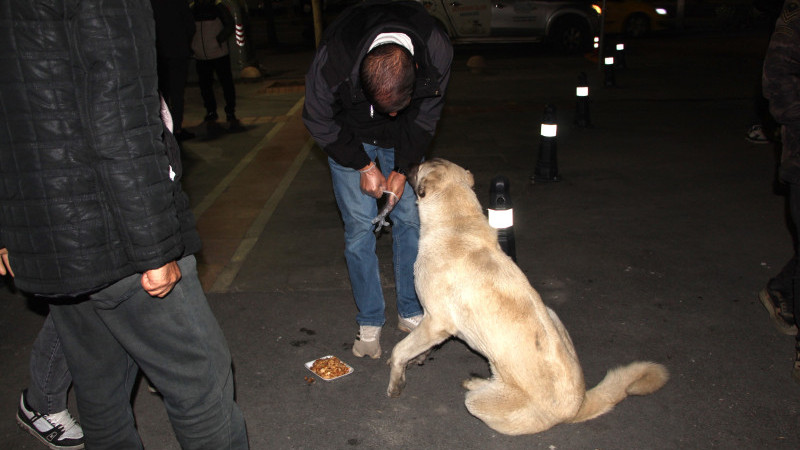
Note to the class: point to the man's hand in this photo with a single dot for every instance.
(372, 181)
(397, 184)
(159, 282)
(5, 267)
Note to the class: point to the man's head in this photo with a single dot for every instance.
(387, 77)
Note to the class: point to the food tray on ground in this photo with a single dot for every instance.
(329, 367)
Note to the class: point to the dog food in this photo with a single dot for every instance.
(329, 367)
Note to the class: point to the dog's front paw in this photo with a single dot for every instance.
(397, 381)
(395, 389)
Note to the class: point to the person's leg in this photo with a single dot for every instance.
(782, 282)
(42, 409)
(405, 242)
(178, 344)
(178, 67)
(778, 296)
(222, 67)
(164, 77)
(50, 377)
(794, 209)
(358, 210)
(180, 347)
(205, 78)
(103, 373)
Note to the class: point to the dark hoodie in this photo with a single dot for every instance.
(337, 113)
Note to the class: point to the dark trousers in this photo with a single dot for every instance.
(174, 340)
(787, 282)
(50, 377)
(172, 74)
(205, 75)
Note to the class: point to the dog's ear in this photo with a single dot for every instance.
(429, 181)
(470, 178)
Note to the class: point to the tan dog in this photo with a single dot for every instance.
(470, 289)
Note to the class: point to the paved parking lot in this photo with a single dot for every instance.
(653, 246)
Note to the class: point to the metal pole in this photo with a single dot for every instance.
(316, 9)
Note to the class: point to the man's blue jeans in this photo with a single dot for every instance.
(176, 342)
(358, 210)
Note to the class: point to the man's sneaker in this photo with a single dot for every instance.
(234, 126)
(368, 342)
(408, 323)
(756, 135)
(57, 431)
(184, 135)
(211, 117)
(779, 311)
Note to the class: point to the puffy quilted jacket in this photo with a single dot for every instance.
(85, 192)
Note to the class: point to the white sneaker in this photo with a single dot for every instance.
(57, 431)
(756, 135)
(409, 323)
(368, 342)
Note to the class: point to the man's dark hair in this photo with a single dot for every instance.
(387, 75)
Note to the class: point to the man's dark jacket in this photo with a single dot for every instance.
(174, 28)
(337, 113)
(86, 197)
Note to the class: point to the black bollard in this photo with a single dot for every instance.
(242, 51)
(619, 56)
(582, 118)
(547, 166)
(608, 72)
(501, 214)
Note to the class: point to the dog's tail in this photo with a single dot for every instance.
(637, 378)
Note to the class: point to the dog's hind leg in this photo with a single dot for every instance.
(420, 340)
(475, 383)
(503, 407)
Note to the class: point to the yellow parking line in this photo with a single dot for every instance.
(228, 274)
(244, 162)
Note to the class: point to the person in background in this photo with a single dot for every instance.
(781, 84)
(763, 130)
(95, 222)
(174, 32)
(374, 94)
(213, 26)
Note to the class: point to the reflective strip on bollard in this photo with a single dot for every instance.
(501, 218)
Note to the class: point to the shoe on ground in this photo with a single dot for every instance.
(184, 135)
(234, 126)
(779, 311)
(408, 323)
(756, 135)
(211, 117)
(368, 342)
(57, 431)
(213, 128)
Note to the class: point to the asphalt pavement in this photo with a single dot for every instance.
(653, 246)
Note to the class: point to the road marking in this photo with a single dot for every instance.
(228, 274)
(244, 162)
